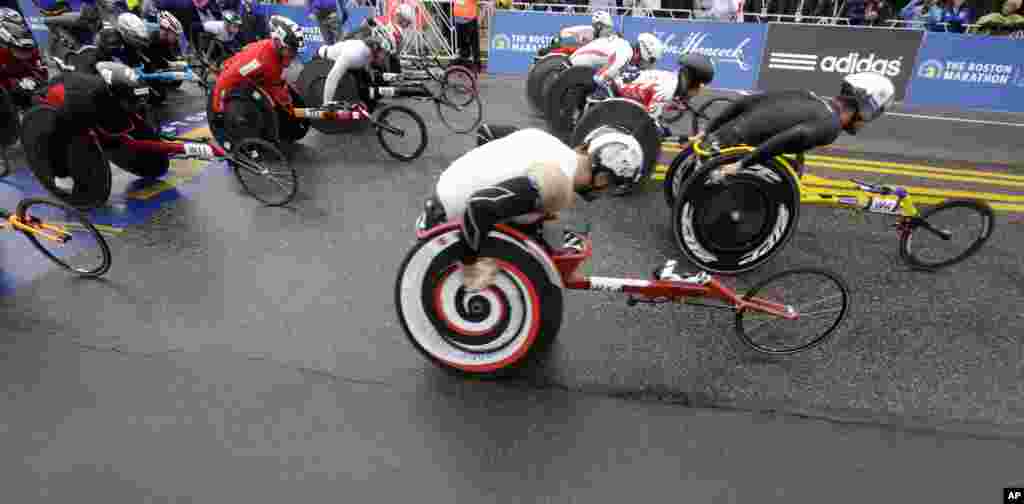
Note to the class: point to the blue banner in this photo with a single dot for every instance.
(35, 21)
(735, 48)
(516, 37)
(970, 72)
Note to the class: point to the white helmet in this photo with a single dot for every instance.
(133, 30)
(170, 23)
(601, 18)
(650, 47)
(873, 92)
(384, 37)
(405, 15)
(617, 153)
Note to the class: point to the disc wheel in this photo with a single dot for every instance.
(679, 170)
(402, 132)
(264, 172)
(489, 333)
(947, 234)
(730, 224)
(816, 300)
(65, 235)
(541, 75)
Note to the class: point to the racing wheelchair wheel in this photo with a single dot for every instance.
(629, 116)
(248, 113)
(264, 172)
(567, 99)
(311, 86)
(488, 334)
(735, 223)
(547, 68)
(9, 125)
(397, 122)
(679, 170)
(79, 157)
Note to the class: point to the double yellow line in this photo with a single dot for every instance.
(927, 195)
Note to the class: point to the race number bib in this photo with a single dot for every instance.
(884, 205)
(199, 150)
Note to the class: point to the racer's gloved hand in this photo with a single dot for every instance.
(27, 84)
(663, 131)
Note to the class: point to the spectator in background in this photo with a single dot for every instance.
(955, 15)
(325, 13)
(867, 12)
(641, 8)
(1002, 23)
(467, 29)
(726, 10)
(921, 13)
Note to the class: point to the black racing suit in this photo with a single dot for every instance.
(782, 122)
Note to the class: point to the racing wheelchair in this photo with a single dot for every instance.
(730, 220)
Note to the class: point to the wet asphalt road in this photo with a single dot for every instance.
(216, 282)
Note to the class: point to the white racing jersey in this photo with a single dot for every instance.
(499, 160)
(218, 29)
(652, 88)
(608, 54)
(347, 55)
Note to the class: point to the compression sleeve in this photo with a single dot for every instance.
(491, 205)
(799, 138)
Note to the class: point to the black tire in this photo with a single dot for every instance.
(398, 110)
(456, 77)
(250, 113)
(50, 212)
(81, 158)
(567, 99)
(257, 163)
(705, 215)
(539, 73)
(679, 170)
(706, 112)
(921, 226)
(10, 124)
(778, 294)
(446, 109)
(431, 272)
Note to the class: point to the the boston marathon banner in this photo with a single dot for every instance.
(969, 72)
(516, 37)
(735, 48)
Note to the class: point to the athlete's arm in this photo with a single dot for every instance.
(351, 56)
(733, 110)
(623, 53)
(800, 138)
(491, 205)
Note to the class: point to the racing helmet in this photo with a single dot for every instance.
(18, 38)
(170, 23)
(601, 21)
(123, 84)
(405, 16)
(10, 15)
(200, 4)
(650, 48)
(286, 33)
(133, 30)
(383, 37)
(872, 92)
(697, 69)
(616, 153)
(108, 41)
(232, 21)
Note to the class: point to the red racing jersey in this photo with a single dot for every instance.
(259, 63)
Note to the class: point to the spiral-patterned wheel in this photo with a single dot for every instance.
(480, 333)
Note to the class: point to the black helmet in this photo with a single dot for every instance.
(123, 84)
(696, 69)
(109, 40)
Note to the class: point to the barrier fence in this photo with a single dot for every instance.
(928, 68)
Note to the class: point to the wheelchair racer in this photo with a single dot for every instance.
(656, 89)
(226, 30)
(357, 55)
(611, 54)
(527, 177)
(21, 65)
(107, 98)
(262, 63)
(575, 36)
(797, 121)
